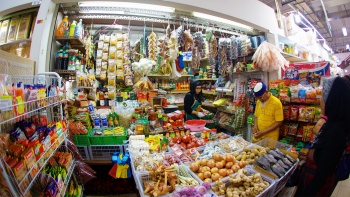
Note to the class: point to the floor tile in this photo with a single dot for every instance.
(343, 192)
(346, 183)
(335, 191)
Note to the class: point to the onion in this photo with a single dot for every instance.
(205, 169)
(209, 180)
(223, 172)
(215, 177)
(201, 176)
(223, 162)
(194, 167)
(214, 170)
(207, 174)
(201, 190)
(219, 165)
(204, 162)
(211, 163)
(235, 168)
(242, 164)
(229, 158)
(229, 171)
(207, 185)
(228, 165)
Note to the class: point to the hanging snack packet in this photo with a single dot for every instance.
(116, 119)
(286, 112)
(113, 40)
(302, 114)
(112, 52)
(294, 112)
(293, 128)
(110, 120)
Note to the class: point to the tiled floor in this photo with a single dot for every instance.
(342, 189)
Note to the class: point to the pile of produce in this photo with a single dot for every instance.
(164, 180)
(185, 178)
(74, 189)
(241, 185)
(250, 154)
(276, 162)
(233, 144)
(77, 128)
(218, 167)
(146, 161)
(181, 152)
(202, 190)
(187, 141)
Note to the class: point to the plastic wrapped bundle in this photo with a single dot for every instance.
(239, 46)
(268, 58)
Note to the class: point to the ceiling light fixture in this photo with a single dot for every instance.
(126, 5)
(347, 47)
(101, 12)
(345, 33)
(222, 20)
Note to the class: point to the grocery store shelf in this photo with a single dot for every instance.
(157, 75)
(16, 42)
(74, 41)
(293, 58)
(43, 165)
(85, 87)
(65, 72)
(178, 91)
(204, 59)
(207, 79)
(248, 72)
(68, 177)
(209, 92)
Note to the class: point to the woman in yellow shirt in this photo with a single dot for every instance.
(268, 114)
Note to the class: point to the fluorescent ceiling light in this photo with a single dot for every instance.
(215, 18)
(347, 46)
(101, 12)
(297, 17)
(346, 71)
(345, 33)
(126, 5)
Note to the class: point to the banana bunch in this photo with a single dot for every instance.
(152, 47)
(119, 130)
(75, 190)
(165, 68)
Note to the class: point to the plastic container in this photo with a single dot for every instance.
(60, 31)
(82, 140)
(195, 125)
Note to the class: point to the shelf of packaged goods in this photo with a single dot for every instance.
(16, 42)
(178, 91)
(159, 75)
(51, 101)
(50, 152)
(65, 72)
(73, 41)
(209, 92)
(67, 179)
(293, 58)
(207, 79)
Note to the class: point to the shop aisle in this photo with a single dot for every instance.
(342, 189)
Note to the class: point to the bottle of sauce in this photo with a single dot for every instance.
(59, 59)
(101, 97)
(152, 118)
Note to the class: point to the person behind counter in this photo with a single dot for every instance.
(268, 114)
(193, 101)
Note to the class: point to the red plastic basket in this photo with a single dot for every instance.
(195, 125)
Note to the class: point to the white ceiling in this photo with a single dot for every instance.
(338, 13)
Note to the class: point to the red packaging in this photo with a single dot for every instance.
(293, 129)
(286, 112)
(294, 112)
(180, 114)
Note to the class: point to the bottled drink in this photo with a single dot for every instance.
(72, 28)
(65, 60)
(59, 59)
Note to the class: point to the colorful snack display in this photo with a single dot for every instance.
(294, 112)
(286, 112)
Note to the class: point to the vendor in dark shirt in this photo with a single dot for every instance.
(193, 102)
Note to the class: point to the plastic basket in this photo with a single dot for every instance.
(140, 180)
(81, 140)
(84, 152)
(104, 152)
(268, 192)
(106, 139)
(274, 144)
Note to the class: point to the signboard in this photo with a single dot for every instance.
(295, 70)
(284, 2)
